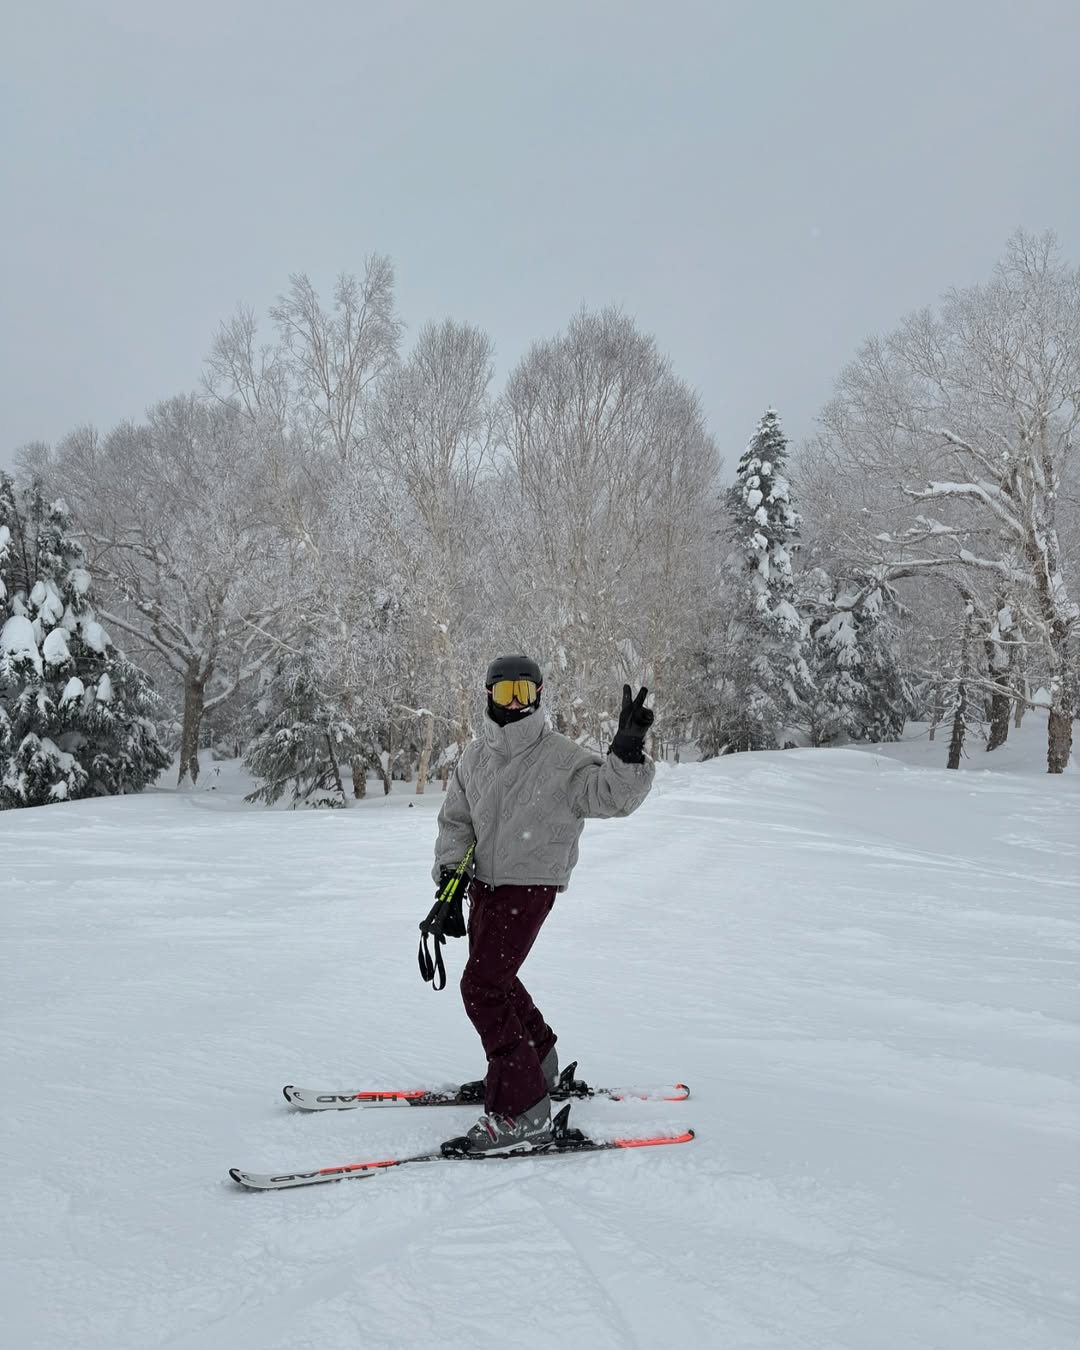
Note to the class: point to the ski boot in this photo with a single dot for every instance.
(493, 1133)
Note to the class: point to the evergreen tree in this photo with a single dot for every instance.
(767, 673)
(702, 697)
(889, 699)
(74, 713)
(7, 589)
(305, 742)
(860, 693)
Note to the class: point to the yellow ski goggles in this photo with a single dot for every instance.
(503, 692)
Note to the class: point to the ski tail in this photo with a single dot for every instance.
(318, 1099)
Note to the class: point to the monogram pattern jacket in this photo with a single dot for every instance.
(523, 792)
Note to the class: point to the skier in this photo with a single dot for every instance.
(520, 794)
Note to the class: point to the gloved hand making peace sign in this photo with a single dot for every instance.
(634, 722)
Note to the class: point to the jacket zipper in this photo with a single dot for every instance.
(495, 831)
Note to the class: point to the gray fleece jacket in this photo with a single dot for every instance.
(523, 793)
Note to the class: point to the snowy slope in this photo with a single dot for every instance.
(865, 967)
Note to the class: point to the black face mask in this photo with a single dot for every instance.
(502, 716)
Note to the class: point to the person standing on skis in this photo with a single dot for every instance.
(519, 796)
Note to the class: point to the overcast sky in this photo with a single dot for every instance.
(760, 185)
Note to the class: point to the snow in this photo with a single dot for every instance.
(864, 965)
(839, 631)
(55, 647)
(79, 580)
(94, 635)
(73, 691)
(17, 640)
(47, 602)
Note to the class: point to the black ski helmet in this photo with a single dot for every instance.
(512, 668)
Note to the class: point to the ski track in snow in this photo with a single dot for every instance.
(865, 967)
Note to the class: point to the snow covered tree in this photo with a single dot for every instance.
(7, 589)
(703, 700)
(334, 360)
(766, 636)
(432, 436)
(981, 402)
(860, 693)
(177, 515)
(307, 741)
(603, 513)
(75, 714)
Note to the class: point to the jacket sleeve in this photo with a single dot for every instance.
(609, 787)
(456, 830)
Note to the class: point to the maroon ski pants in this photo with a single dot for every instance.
(503, 924)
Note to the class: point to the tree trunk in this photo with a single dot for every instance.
(936, 711)
(1003, 673)
(388, 776)
(1020, 684)
(1062, 706)
(956, 743)
(425, 754)
(1042, 555)
(959, 723)
(194, 702)
(1000, 712)
(1062, 702)
(384, 769)
(1059, 741)
(359, 779)
(337, 772)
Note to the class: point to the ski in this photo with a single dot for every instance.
(568, 1088)
(565, 1141)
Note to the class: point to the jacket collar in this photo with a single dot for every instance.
(514, 738)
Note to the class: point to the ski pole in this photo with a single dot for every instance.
(434, 971)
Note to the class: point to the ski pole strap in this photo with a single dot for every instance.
(432, 969)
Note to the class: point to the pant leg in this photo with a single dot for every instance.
(503, 924)
(540, 1035)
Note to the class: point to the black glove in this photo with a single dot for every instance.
(447, 919)
(634, 722)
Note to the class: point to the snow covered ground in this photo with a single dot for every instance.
(865, 966)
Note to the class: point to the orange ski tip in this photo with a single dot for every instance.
(660, 1139)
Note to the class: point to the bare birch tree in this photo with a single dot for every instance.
(433, 432)
(982, 400)
(166, 510)
(610, 500)
(334, 358)
(253, 375)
